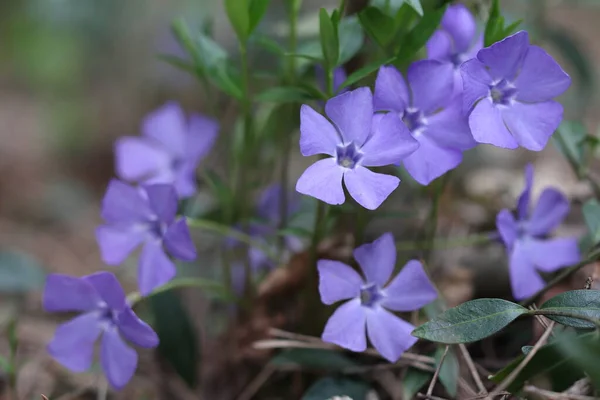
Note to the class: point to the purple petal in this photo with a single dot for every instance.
(410, 290)
(476, 82)
(184, 180)
(317, 135)
(118, 360)
(337, 281)
(553, 254)
(346, 327)
(163, 201)
(389, 142)
(352, 112)
(68, 293)
(431, 161)
(551, 209)
(108, 287)
(368, 188)
(450, 127)
(155, 268)
(525, 197)
(377, 259)
(123, 203)
(201, 137)
(532, 124)
(507, 227)
(524, 279)
(391, 92)
(138, 159)
(167, 125)
(117, 243)
(178, 241)
(390, 335)
(439, 46)
(460, 24)
(323, 180)
(540, 78)
(135, 330)
(73, 342)
(431, 84)
(339, 76)
(505, 57)
(487, 126)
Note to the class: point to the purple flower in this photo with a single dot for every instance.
(526, 239)
(508, 92)
(456, 41)
(356, 139)
(146, 215)
(168, 151)
(105, 312)
(432, 115)
(370, 299)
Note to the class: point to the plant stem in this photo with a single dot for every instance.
(594, 321)
(136, 297)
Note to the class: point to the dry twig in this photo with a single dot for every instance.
(437, 372)
(547, 394)
(472, 368)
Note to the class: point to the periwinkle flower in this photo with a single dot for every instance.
(508, 92)
(106, 313)
(144, 215)
(357, 139)
(526, 239)
(168, 151)
(456, 41)
(370, 299)
(433, 116)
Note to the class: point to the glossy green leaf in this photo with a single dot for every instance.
(363, 72)
(579, 302)
(570, 141)
(327, 388)
(351, 37)
(239, 17)
(328, 34)
(413, 381)
(285, 94)
(420, 34)
(450, 370)
(512, 28)
(591, 215)
(585, 354)
(378, 25)
(316, 359)
(494, 25)
(470, 321)
(256, 12)
(416, 5)
(19, 272)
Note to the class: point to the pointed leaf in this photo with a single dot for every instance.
(329, 38)
(377, 24)
(413, 381)
(420, 34)
(257, 10)
(580, 302)
(364, 72)
(238, 14)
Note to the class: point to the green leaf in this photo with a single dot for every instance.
(591, 215)
(416, 5)
(364, 72)
(391, 7)
(316, 359)
(449, 371)
(327, 388)
(580, 302)
(413, 381)
(267, 43)
(351, 37)
(420, 34)
(329, 39)
(470, 321)
(257, 10)
(285, 94)
(512, 28)
(182, 34)
(378, 25)
(178, 340)
(585, 354)
(19, 272)
(238, 14)
(570, 141)
(179, 63)
(494, 25)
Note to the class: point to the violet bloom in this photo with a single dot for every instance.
(146, 215)
(432, 115)
(526, 239)
(356, 139)
(168, 151)
(105, 313)
(508, 92)
(456, 41)
(370, 299)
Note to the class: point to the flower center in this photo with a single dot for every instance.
(370, 295)
(348, 155)
(503, 92)
(156, 229)
(457, 59)
(107, 315)
(414, 119)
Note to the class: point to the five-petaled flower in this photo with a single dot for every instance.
(144, 215)
(105, 312)
(508, 91)
(356, 139)
(433, 116)
(168, 151)
(370, 299)
(526, 239)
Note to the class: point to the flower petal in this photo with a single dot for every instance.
(450, 127)
(123, 203)
(201, 137)
(317, 135)
(460, 24)
(410, 290)
(390, 335)
(431, 84)
(138, 159)
(532, 124)
(118, 360)
(73, 342)
(108, 287)
(135, 330)
(168, 127)
(352, 112)
(377, 259)
(525, 197)
(505, 58)
(476, 82)
(337, 281)
(391, 92)
(178, 241)
(163, 201)
(68, 293)
(553, 254)
(323, 180)
(116, 243)
(368, 188)
(524, 279)
(389, 142)
(155, 268)
(507, 227)
(431, 161)
(551, 209)
(346, 327)
(487, 126)
(184, 180)
(439, 46)
(540, 78)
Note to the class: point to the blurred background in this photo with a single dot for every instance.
(77, 74)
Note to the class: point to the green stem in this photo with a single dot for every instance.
(594, 321)
(431, 223)
(136, 297)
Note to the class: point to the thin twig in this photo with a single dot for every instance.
(481, 396)
(430, 397)
(437, 372)
(540, 318)
(472, 368)
(547, 394)
(256, 383)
